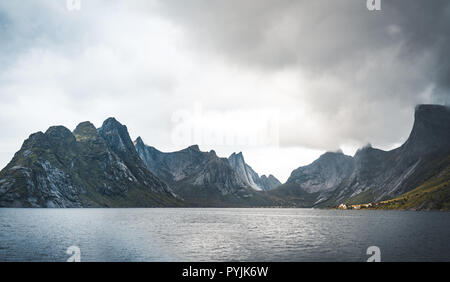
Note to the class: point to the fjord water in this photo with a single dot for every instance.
(222, 234)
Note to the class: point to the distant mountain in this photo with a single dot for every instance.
(312, 184)
(249, 176)
(374, 175)
(202, 178)
(84, 168)
(325, 174)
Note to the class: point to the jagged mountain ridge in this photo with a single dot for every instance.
(373, 175)
(203, 178)
(83, 168)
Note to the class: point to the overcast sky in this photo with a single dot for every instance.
(281, 80)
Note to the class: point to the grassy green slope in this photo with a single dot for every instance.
(434, 194)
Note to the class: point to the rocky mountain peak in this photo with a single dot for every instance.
(85, 131)
(111, 122)
(269, 182)
(431, 112)
(34, 139)
(237, 158)
(117, 136)
(139, 142)
(58, 131)
(367, 150)
(194, 148)
(324, 174)
(333, 156)
(431, 129)
(60, 136)
(248, 175)
(271, 177)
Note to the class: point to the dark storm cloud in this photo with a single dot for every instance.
(319, 34)
(426, 25)
(380, 63)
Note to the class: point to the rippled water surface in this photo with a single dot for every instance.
(222, 234)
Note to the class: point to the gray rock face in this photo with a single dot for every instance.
(118, 140)
(325, 174)
(176, 166)
(431, 131)
(190, 166)
(117, 137)
(373, 175)
(219, 174)
(33, 179)
(201, 178)
(249, 176)
(86, 168)
(243, 171)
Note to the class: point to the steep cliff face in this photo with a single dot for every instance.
(118, 141)
(201, 178)
(242, 170)
(373, 175)
(382, 175)
(86, 168)
(430, 132)
(249, 176)
(36, 176)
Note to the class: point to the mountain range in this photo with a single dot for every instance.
(88, 167)
(374, 175)
(103, 167)
(204, 179)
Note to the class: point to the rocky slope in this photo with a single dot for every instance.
(434, 194)
(202, 178)
(84, 168)
(374, 175)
